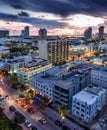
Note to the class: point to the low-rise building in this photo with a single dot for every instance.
(87, 103)
(63, 92)
(4, 50)
(68, 85)
(13, 65)
(99, 76)
(60, 83)
(43, 82)
(32, 68)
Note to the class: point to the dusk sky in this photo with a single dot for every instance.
(57, 16)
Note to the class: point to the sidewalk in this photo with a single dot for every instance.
(67, 122)
(8, 114)
(24, 127)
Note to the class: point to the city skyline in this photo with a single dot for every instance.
(59, 17)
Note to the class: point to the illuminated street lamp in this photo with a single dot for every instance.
(63, 119)
(0, 90)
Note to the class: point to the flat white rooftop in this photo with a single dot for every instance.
(87, 97)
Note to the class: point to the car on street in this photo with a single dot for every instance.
(22, 117)
(58, 123)
(7, 97)
(34, 128)
(12, 108)
(42, 108)
(17, 113)
(43, 121)
(25, 106)
(1, 98)
(28, 101)
(28, 124)
(18, 101)
(64, 127)
(31, 110)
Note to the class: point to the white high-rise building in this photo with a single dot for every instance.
(101, 32)
(88, 33)
(42, 34)
(25, 32)
(55, 51)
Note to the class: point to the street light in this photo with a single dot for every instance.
(0, 90)
(63, 119)
(1, 80)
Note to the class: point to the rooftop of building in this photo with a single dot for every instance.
(34, 64)
(100, 68)
(86, 97)
(48, 76)
(89, 96)
(52, 40)
(63, 75)
(79, 66)
(65, 84)
(16, 59)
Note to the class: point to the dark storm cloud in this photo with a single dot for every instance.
(61, 7)
(31, 20)
(42, 22)
(16, 6)
(10, 17)
(22, 13)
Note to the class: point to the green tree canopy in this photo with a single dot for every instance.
(62, 110)
(13, 79)
(30, 93)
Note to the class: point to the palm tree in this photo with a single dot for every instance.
(15, 121)
(22, 88)
(1, 73)
(44, 101)
(30, 93)
(62, 111)
(13, 79)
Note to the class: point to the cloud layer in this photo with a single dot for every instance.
(63, 13)
(61, 7)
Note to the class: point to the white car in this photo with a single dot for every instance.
(1, 97)
(43, 121)
(28, 124)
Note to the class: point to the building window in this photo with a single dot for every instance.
(78, 108)
(82, 115)
(77, 112)
(82, 110)
(78, 103)
(83, 105)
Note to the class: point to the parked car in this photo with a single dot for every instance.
(25, 106)
(58, 123)
(1, 98)
(28, 124)
(17, 113)
(34, 128)
(64, 127)
(12, 108)
(22, 117)
(7, 96)
(43, 121)
(31, 110)
(18, 101)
